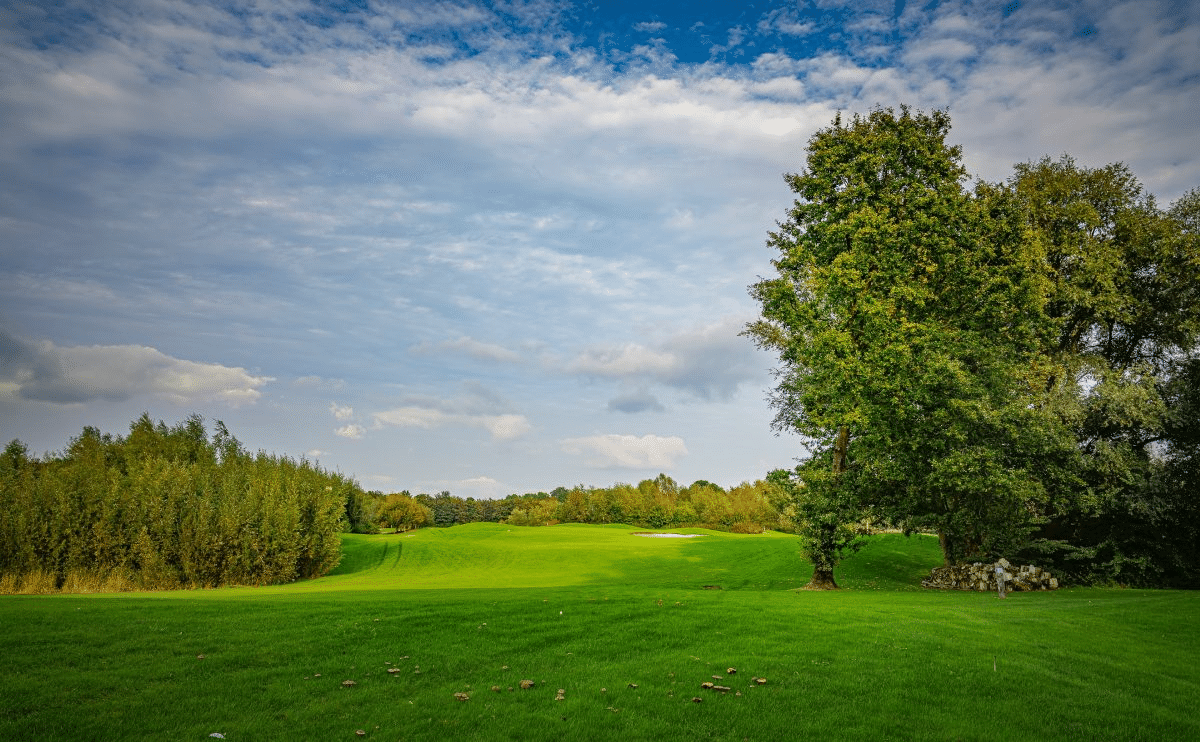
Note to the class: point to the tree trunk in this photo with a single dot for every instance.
(822, 579)
(944, 543)
(840, 447)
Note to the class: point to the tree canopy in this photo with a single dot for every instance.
(981, 362)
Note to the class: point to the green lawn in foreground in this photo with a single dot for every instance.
(586, 608)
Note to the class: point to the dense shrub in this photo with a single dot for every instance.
(164, 508)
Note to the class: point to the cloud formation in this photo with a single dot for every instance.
(502, 427)
(46, 372)
(353, 431)
(563, 202)
(627, 451)
(477, 407)
(708, 362)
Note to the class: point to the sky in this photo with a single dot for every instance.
(488, 247)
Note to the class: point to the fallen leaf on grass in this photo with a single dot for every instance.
(348, 683)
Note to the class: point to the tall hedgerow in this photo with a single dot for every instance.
(163, 508)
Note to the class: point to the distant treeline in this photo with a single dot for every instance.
(652, 503)
(163, 508)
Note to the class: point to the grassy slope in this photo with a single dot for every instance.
(585, 608)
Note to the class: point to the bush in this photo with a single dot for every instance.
(164, 508)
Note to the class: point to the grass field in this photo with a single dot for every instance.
(624, 626)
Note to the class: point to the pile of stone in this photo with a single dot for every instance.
(982, 577)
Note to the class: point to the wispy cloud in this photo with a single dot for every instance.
(785, 21)
(476, 349)
(633, 402)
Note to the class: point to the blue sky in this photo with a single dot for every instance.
(487, 247)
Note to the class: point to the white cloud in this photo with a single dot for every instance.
(47, 372)
(318, 382)
(413, 417)
(785, 21)
(939, 49)
(709, 362)
(353, 431)
(501, 427)
(627, 451)
(341, 412)
(504, 427)
(649, 26)
(631, 359)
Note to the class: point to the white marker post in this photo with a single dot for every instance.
(1000, 575)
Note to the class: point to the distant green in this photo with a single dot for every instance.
(585, 608)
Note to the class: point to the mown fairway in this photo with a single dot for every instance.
(594, 610)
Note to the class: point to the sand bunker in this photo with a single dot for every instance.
(669, 535)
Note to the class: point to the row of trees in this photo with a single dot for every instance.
(1015, 366)
(165, 507)
(652, 503)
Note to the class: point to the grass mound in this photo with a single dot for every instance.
(427, 624)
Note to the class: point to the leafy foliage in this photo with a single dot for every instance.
(906, 315)
(828, 521)
(401, 512)
(165, 507)
(1124, 302)
(1013, 367)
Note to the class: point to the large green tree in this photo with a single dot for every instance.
(1123, 300)
(907, 315)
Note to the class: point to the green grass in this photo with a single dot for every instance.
(589, 607)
